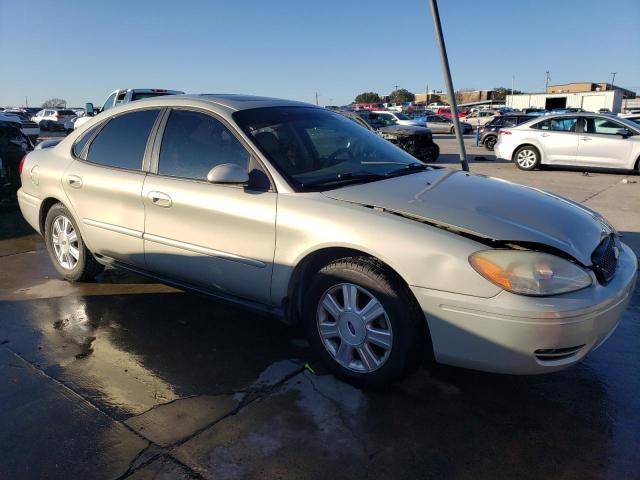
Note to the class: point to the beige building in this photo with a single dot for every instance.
(462, 97)
(588, 87)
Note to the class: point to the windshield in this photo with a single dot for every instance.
(318, 149)
(402, 116)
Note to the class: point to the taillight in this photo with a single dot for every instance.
(21, 164)
(505, 132)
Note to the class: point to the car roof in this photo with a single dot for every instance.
(223, 101)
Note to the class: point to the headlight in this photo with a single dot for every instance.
(529, 273)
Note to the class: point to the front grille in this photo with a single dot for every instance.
(29, 125)
(555, 354)
(605, 258)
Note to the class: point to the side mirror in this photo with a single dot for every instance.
(623, 132)
(228, 173)
(88, 108)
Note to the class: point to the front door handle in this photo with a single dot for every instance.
(586, 138)
(74, 181)
(160, 199)
(545, 134)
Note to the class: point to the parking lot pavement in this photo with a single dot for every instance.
(122, 377)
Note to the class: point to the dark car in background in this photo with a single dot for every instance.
(489, 133)
(14, 144)
(417, 141)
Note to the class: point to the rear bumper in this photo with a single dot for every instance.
(515, 334)
(30, 208)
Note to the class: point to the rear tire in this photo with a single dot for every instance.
(527, 158)
(490, 142)
(362, 347)
(66, 248)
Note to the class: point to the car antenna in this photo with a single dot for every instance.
(447, 77)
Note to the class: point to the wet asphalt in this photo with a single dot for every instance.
(125, 378)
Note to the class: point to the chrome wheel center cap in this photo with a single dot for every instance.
(352, 328)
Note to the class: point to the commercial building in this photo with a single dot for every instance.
(589, 96)
(589, 101)
(588, 87)
(465, 96)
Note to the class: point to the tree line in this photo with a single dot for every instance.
(403, 95)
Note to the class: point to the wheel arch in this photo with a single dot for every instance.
(527, 144)
(311, 263)
(45, 206)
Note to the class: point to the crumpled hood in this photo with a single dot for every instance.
(401, 130)
(486, 207)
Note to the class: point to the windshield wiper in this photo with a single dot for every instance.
(344, 177)
(409, 168)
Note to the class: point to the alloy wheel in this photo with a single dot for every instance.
(64, 239)
(526, 158)
(354, 328)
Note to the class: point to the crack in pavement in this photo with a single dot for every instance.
(341, 417)
(251, 395)
(601, 191)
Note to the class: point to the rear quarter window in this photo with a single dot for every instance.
(79, 145)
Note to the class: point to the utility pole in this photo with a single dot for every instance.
(316, 98)
(548, 77)
(426, 96)
(513, 79)
(449, 83)
(26, 101)
(613, 78)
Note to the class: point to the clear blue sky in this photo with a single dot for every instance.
(80, 50)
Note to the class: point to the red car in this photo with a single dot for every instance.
(446, 112)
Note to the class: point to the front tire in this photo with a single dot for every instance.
(363, 323)
(527, 158)
(66, 248)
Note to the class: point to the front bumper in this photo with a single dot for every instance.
(502, 334)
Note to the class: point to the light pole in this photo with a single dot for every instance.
(447, 77)
(613, 78)
(513, 79)
(548, 77)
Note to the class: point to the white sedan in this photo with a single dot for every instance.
(583, 139)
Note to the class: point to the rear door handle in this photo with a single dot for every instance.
(586, 138)
(160, 199)
(74, 181)
(545, 134)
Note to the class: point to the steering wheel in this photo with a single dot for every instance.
(333, 156)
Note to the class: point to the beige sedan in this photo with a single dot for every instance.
(298, 212)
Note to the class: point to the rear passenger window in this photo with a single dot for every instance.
(562, 124)
(79, 145)
(121, 143)
(193, 143)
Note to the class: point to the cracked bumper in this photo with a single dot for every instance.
(501, 334)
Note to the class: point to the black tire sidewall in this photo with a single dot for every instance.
(400, 317)
(490, 142)
(76, 273)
